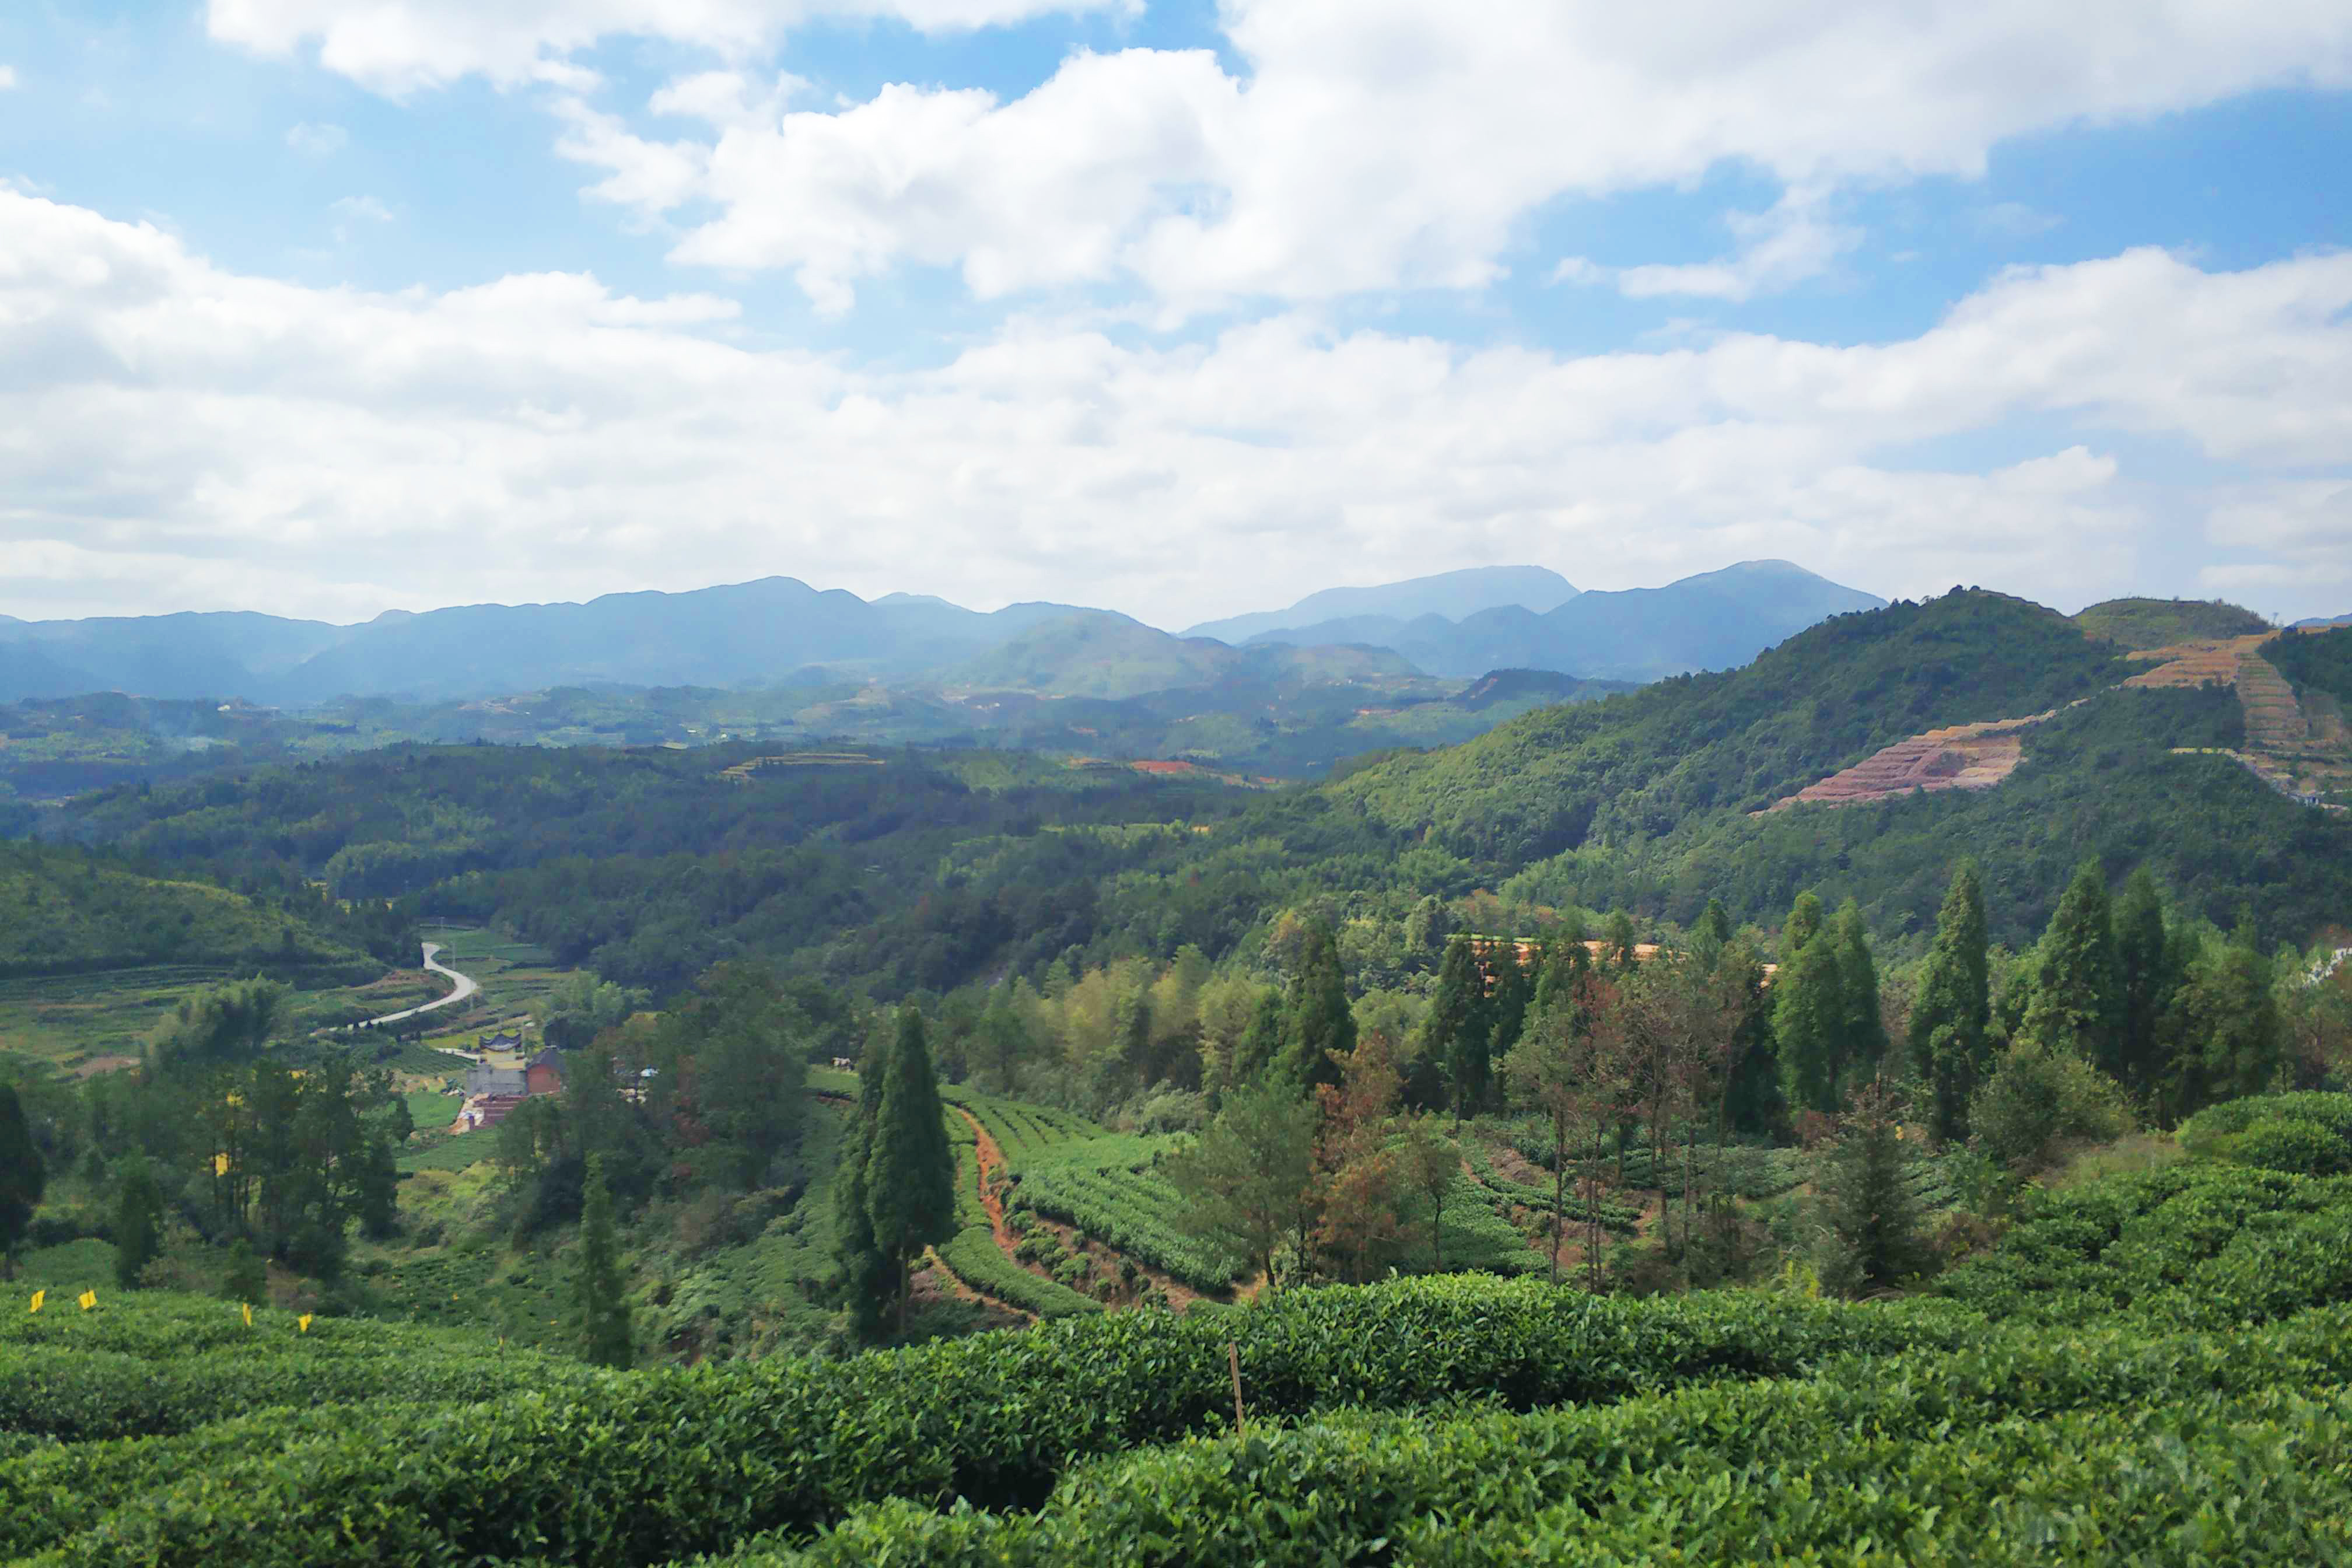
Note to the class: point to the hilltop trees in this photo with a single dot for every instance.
(1950, 1025)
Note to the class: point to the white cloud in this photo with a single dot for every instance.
(398, 46)
(1780, 249)
(7, 77)
(366, 207)
(323, 139)
(1372, 144)
(180, 435)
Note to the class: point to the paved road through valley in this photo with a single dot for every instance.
(467, 987)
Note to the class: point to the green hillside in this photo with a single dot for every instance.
(1644, 762)
(64, 911)
(2317, 661)
(2160, 623)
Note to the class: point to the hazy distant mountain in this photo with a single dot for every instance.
(744, 634)
(2319, 621)
(1714, 621)
(1096, 654)
(1449, 594)
(779, 629)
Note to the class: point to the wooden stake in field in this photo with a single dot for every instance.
(1233, 1360)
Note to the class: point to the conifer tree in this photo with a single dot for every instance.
(1714, 922)
(1872, 1217)
(1808, 1020)
(1261, 1045)
(1622, 943)
(598, 1289)
(2077, 1002)
(1806, 918)
(138, 1220)
(911, 1172)
(1455, 1031)
(1951, 1026)
(23, 1177)
(1865, 1045)
(1507, 1006)
(1566, 962)
(865, 1272)
(2145, 976)
(2232, 1038)
(1318, 1027)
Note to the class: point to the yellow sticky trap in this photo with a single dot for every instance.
(39, 1297)
(88, 1298)
(302, 1323)
(248, 1315)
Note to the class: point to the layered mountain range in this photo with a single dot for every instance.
(781, 632)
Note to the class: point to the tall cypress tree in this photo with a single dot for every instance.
(1316, 1020)
(865, 1272)
(23, 1178)
(2145, 976)
(1715, 923)
(1455, 1032)
(910, 1173)
(1806, 918)
(1950, 1025)
(1865, 1045)
(1507, 1005)
(2077, 1002)
(598, 1286)
(1621, 944)
(1809, 1019)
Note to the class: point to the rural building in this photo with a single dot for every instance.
(509, 1041)
(543, 1074)
(488, 1079)
(490, 1110)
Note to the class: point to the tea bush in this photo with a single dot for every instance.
(640, 1467)
(2110, 1442)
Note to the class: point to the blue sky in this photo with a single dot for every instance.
(325, 306)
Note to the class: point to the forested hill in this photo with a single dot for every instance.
(1643, 762)
(1652, 801)
(63, 910)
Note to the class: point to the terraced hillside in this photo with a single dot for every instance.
(2298, 749)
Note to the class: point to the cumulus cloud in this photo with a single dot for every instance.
(181, 433)
(1371, 144)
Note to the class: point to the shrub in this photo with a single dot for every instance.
(2037, 1097)
(2245, 1131)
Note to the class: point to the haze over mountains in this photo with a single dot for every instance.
(778, 631)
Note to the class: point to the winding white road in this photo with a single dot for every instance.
(468, 986)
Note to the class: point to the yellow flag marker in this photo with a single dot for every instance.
(248, 1315)
(302, 1323)
(88, 1298)
(39, 1297)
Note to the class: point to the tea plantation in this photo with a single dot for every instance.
(2155, 1367)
